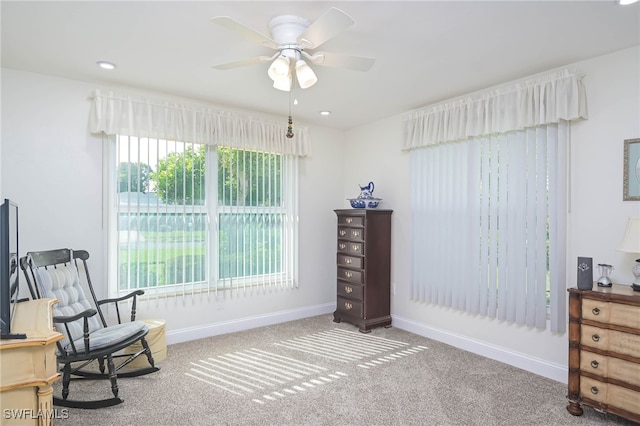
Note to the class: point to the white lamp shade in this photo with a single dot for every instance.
(304, 73)
(283, 82)
(279, 68)
(631, 241)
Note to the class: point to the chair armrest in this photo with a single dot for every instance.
(85, 329)
(134, 294)
(120, 299)
(84, 314)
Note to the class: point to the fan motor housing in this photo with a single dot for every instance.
(285, 29)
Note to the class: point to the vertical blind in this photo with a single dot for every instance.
(487, 225)
(489, 193)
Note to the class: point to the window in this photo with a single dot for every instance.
(188, 217)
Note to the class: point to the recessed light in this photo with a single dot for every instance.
(325, 112)
(626, 2)
(106, 65)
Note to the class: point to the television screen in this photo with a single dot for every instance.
(9, 270)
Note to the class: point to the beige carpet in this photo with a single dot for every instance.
(317, 372)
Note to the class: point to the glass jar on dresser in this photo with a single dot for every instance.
(604, 351)
(364, 268)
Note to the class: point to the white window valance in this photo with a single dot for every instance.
(114, 113)
(514, 106)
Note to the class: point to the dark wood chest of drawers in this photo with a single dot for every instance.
(604, 350)
(364, 268)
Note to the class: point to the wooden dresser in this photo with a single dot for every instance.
(604, 350)
(364, 268)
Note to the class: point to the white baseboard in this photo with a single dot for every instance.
(534, 365)
(240, 324)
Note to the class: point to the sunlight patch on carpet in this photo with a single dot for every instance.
(342, 345)
(265, 376)
(392, 357)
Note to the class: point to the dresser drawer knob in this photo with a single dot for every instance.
(349, 220)
(595, 364)
(355, 233)
(595, 337)
(348, 260)
(594, 390)
(348, 274)
(348, 306)
(342, 246)
(355, 247)
(348, 289)
(596, 311)
(343, 232)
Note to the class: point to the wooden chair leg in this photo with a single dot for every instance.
(66, 378)
(112, 376)
(101, 364)
(147, 351)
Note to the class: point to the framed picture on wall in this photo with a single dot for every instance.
(631, 187)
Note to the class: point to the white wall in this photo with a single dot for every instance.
(52, 167)
(596, 222)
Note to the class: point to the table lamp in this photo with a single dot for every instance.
(631, 244)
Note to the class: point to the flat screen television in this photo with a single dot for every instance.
(9, 269)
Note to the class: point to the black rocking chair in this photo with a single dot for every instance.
(88, 338)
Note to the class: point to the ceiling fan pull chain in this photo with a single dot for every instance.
(290, 126)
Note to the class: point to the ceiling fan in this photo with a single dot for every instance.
(295, 39)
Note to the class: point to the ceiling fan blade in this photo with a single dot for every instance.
(243, 63)
(245, 31)
(329, 24)
(327, 59)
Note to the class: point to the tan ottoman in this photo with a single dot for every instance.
(156, 338)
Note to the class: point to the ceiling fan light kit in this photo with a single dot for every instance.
(283, 83)
(306, 76)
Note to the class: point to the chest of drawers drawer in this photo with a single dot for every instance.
(350, 247)
(610, 394)
(610, 340)
(610, 368)
(350, 291)
(350, 261)
(356, 234)
(611, 313)
(350, 307)
(350, 275)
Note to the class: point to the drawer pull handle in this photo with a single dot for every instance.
(595, 363)
(355, 247)
(348, 274)
(355, 233)
(596, 311)
(349, 220)
(348, 306)
(348, 260)
(343, 232)
(348, 289)
(594, 390)
(595, 337)
(342, 246)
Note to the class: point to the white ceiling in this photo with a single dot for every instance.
(426, 51)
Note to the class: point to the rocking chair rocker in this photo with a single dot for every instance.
(88, 338)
